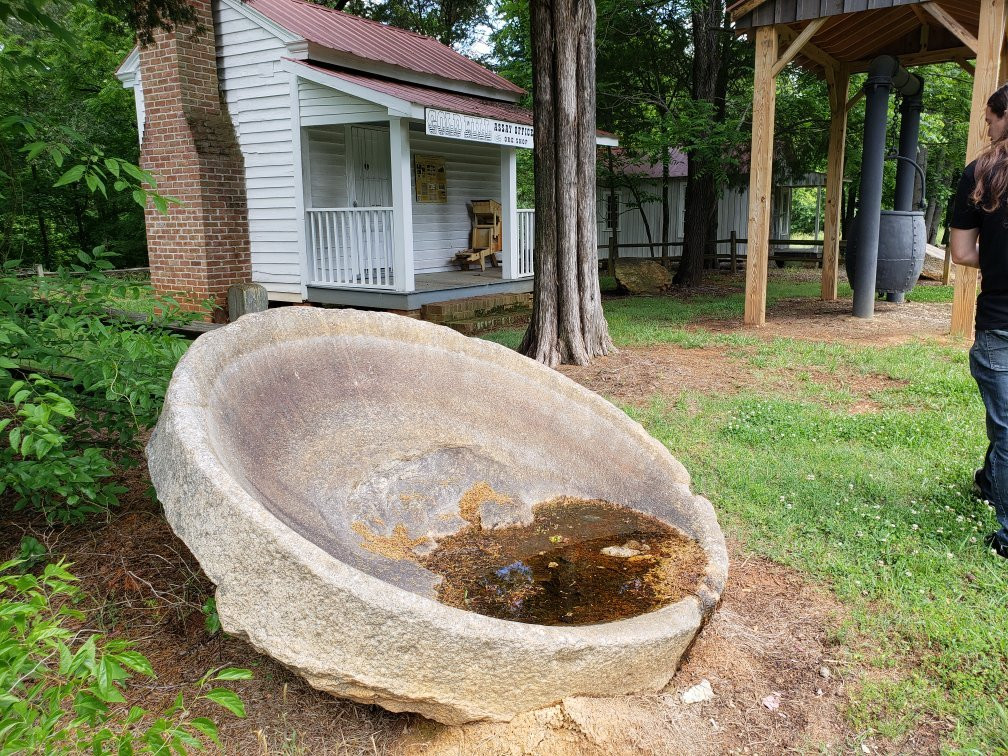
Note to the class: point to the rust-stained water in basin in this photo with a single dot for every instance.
(578, 563)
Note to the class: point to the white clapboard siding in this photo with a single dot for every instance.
(472, 172)
(733, 212)
(632, 229)
(259, 100)
(321, 105)
(325, 174)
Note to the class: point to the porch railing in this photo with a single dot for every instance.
(351, 246)
(526, 243)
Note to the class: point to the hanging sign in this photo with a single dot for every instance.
(444, 123)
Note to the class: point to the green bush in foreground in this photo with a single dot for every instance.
(79, 382)
(63, 691)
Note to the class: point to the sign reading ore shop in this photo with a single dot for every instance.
(444, 123)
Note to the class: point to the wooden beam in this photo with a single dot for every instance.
(966, 66)
(797, 44)
(741, 10)
(810, 51)
(838, 81)
(760, 176)
(925, 30)
(947, 20)
(944, 55)
(988, 60)
(854, 100)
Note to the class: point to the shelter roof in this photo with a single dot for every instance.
(364, 39)
(856, 31)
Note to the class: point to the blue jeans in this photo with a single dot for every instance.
(989, 366)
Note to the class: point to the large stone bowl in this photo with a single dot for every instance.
(285, 432)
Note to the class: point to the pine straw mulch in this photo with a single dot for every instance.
(771, 634)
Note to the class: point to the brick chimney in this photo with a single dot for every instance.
(189, 145)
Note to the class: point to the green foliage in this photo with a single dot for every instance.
(875, 504)
(456, 23)
(64, 692)
(211, 620)
(69, 146)
(79, 383)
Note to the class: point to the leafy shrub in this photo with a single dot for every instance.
(64, 692)
(80, 381)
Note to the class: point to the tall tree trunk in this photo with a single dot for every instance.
(665, 206)
(848, 216)
(931, 220)
(43, 226)
(643, 214)
(568, 325)
(701, 186)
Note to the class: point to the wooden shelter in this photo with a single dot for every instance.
(837, 38)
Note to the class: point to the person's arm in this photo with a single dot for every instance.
(963, 243)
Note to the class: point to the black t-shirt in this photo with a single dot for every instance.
(992, 304)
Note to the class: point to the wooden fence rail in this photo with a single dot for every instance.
(779, 251)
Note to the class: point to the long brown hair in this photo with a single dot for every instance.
(991, 169)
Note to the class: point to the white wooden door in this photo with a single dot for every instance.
(371, 169)
(370, 185)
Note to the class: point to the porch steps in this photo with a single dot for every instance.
(477, 314)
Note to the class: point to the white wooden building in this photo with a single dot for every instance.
(336, 116)
(732, 211)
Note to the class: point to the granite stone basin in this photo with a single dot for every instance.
(287, 432)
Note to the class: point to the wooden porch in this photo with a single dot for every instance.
(428, 288)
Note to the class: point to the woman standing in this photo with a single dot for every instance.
(979, 239)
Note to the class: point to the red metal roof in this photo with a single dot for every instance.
(637, 166)
(363, 38)
(432, 98)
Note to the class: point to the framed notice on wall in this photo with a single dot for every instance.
(429, 175)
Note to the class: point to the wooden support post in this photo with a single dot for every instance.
(733, 251)
(990, 35)
(838, 81)
(509, 213)
(761, 175)
(402, 205)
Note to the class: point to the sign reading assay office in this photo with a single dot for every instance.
(444, 123)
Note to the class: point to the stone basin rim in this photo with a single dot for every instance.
(367, 588)
(186, 405)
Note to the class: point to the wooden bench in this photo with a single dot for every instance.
(482, 241)
(467, 256)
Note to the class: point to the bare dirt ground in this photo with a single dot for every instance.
(815, 320)
(769, 636)
(768, 643)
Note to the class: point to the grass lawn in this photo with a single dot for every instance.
(875, 505)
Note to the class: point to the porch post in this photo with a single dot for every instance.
(509, 212)
(402, 205)
(989, 36)
(838, 80)
(760, 175)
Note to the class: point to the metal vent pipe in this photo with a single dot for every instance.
(910, 118)
(884, 74)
